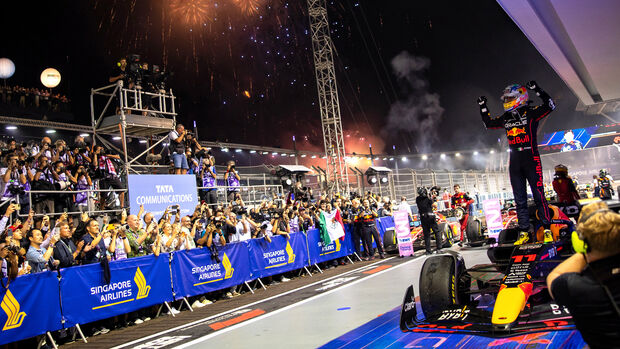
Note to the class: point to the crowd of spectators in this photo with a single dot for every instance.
(39, 243)
(32, 97)
(58, 166)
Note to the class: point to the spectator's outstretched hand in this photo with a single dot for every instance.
(84, 217)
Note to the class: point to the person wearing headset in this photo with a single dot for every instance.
(588, 283)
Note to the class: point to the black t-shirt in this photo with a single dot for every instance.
(425, 204)
(118, 71)
(588, 304)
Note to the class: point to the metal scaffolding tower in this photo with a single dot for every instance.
(131, 112)
(337, 173)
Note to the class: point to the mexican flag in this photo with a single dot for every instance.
(331, 227)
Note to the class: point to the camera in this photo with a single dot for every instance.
(239, 210)
(215, 254)
(276, 213)
(16, 189)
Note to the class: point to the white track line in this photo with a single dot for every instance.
(247, 322)
(251, 304)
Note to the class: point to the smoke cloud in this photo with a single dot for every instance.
(417, 116)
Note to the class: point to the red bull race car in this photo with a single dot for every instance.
(504, 298)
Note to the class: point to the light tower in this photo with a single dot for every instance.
(337, 174)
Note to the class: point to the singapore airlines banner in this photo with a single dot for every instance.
(30, 307)
(135, 283)
(157, 192)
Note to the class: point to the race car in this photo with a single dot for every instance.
(504, 298)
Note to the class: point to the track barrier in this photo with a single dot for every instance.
(39, 303)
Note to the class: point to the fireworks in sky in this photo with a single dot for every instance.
(248, 7)
(193, 12)
(248, 59)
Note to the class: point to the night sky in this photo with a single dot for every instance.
(222, 51)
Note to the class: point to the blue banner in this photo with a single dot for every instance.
(31, 306)
(321, 253)
(384, 223)
(157, 192)
(135, 283)
(196, 272)
(279, 256)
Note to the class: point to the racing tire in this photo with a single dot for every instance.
(389, 241)
(474, 233)
(443, 283)
(444, 231)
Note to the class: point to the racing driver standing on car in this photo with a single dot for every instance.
(521, 123)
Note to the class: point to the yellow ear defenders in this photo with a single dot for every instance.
(580, 244)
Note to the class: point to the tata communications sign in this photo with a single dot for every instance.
(158, 192)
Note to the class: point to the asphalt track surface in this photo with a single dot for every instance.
(303, 313)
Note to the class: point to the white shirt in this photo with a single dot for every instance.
(240, 235)
(404, 206)
(173, 244)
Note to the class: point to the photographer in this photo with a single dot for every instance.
(426, 203)
(301, 193)
(280, 223)
(83, 182)
(61, 153)
(209, 180)
(109, 174)
(177, 145)
(13, 178)
(62, 181)
(263, 232)
(120, 72)
(117, 244)
(232, 181)
(43, 180)
(79, 156)
(213, 234)
(45, 149)
(588, 283)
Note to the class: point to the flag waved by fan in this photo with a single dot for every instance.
(331, 226)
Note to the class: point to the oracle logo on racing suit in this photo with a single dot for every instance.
(521, 122)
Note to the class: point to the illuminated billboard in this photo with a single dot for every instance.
(580, 138)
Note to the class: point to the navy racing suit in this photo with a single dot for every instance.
(521, 125)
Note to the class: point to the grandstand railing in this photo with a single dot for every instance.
(251, 195)
(90, 206)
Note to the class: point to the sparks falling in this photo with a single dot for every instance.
(248, 7)
(192, 12)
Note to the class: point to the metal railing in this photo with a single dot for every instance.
(90, 206)
(250, 195)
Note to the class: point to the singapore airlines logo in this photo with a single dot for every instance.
(289, 252)
(337, 245)
(143, 288)
(228, 267)
(11, 308)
